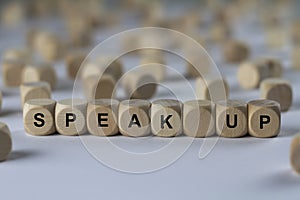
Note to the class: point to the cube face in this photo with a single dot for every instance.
(264, 118)
(166, 118)
(5, 141)
(295, 153)
(212, 88)
(102, 117)
(39, 117)
(70, 117)
(12, 72)
(34, 90)
(40, 72)
(231, 118)
(139, 85)
(134, 119)
(198, 118)
(236, 51)
(279, 90)
(98, 88)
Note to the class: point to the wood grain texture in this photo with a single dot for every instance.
(166, 118)
(102, 117)
(134, 118)
(5, 141)
(277, 89)
(264, 119)
(34, 90)
(231, 118)
(39, 117)
(199, 118)
(70, 117)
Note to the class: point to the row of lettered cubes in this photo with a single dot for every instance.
(164, 118)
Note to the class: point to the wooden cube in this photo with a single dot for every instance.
(153, 62)
(250, 74)
(134, 118)
(274, 66)
(1, 100)
(139, 84)
(12, 72)
(279, 90)
(202, 60)
(35, 90)
(102, 117)
(235, 51)
(296, 58)
(199, 118)
(112, 67)
(166, 118)
(5, 141)
(73, 61)
(48, 45)
(70, 117)
(96, 87)
(211, 88)
(231, 118)
(38, 117)
(21, 55)
(39, 72)
(103, 65)
(295, 153)
(264, 119)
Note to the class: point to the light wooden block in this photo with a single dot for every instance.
(5, 141)
(219, 32)
(295, 153)
(202, 60)
(38, 116)
(295, 32)
(231, 118)
(211, 88)
(152, 61)
(199, 118)
(134, 118)
(166, 118)
(102, 117)
(73, 61)
(48, 45)
(277, 89)
(1, 100)
(296, 58)
(235, 51)
(39, 72)
(274, 66)
(139, 84)
(70, 117)
(250, 74)
(96, 87)
(113, 67)
(275, 37)
(34, 90)
(103, 65)
(12, 72)
(21, 55)
(264, 119)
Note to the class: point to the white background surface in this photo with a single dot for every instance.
(59, 167)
